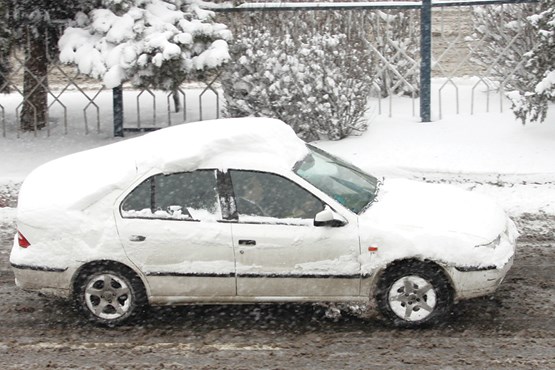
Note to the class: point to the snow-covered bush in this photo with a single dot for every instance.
(315, 70)
(531, 104)
(151, 43)
(317, 83)
(516, 49)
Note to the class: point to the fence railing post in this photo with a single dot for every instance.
(425, 60)
(117, 97)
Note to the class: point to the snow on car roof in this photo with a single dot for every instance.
(79, 180)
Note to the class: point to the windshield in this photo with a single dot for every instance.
(342, 181)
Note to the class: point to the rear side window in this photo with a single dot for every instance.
(180, 196)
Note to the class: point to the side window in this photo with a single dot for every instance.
(259, 194)
(178, 196)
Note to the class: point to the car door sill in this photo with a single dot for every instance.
(167, 300)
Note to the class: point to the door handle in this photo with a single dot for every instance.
(137, 238)
(247, 242)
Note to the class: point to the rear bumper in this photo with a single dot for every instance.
(477, 283)
(48, 281)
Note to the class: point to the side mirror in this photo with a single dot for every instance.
(327, 217)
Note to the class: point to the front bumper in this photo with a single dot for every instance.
(478, 283)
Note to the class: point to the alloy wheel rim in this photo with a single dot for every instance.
(108, 296)
(412, 298)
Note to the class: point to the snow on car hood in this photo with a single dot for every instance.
(437, 207)
(56, 194)
(436, 221)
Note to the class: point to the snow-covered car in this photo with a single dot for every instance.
(242, 211)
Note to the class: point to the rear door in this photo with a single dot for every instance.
(171, 229)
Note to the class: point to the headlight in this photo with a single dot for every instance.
(492, 244)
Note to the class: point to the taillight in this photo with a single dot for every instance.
(23, 242)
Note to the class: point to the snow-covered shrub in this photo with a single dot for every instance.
(151, 43)
(317, 83)
(517, 48)
(531, 104)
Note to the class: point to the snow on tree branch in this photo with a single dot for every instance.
(151, 43)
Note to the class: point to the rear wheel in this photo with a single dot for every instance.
(414, 293)
(110, 295)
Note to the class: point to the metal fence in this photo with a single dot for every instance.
(77, 103)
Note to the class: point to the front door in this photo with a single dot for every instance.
(279, 251)
(169, 226)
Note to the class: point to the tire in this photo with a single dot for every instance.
(110, 294)
(413, 294)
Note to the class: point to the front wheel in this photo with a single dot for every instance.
(109, 295)
(413, 294)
